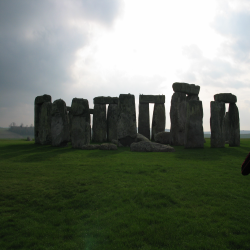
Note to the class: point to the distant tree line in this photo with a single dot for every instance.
(21, 130)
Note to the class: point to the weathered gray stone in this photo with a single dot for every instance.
(159, 119)
(80, 107)
(42, 119)
(178, 112)
(28, 138)
(91, 111)
(151, 99)
(112, 118)
(144, 123)
(192, 98)
(186, 88)
(225, 97)
(147, 146)
(126, 126)
(194, 135)
(141, 138)
(217, 111)
(108, 146)
(234, 126)
(226, 127)
(59, 124)
(105, 100)
(91, 147)
(163, 137)
(99, 123)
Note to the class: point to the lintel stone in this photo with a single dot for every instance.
(225, 97)
(105, 100)
(189, 89)
(152, 99)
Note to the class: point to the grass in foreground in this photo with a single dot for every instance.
(61, 198)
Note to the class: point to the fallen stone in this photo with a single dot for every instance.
(116, 142)
(141, 137)
(144, 123)
(108, 146)
(178, 112)
(90, 147)
(217, 110)
(194, 135)
(59, 124)
(99, 123)
(105, 100)
(225, 97)
(151, 99)
(163, 137)
(186, 88)
(158, 120)
(234, 126)
(112, 118)
(147, 146)
(126, 125)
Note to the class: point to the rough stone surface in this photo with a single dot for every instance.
(226, 127)
(147, 146)
(141, 138)
(144, 123)
(99, 123)
(59, 124)
(234, 126)
(159, 119)
(194, 135)
(80, 107)
(163, 137)
(91, 147)
(108, 146)
(151, 99)
(186, 88)
(225, 97)
(112, 118)
(126, 126)
(178, 112)
(217, 111)
(28, 138)
(91, 111)
(105, 100)
(192, 98)
(42, 119)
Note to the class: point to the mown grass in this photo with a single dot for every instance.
(61, 198)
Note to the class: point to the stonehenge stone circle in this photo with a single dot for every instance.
(225, 97)
(186, 88)
(42, 119)
(178, 112)
(217, 111)
(126, 125)
(144, 122)
(59, 124)
(112, 118)
(234, 126)
(194, 135)
(158, 120)
(80, 130)
(99, 123)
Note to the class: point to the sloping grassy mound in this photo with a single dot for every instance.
(61, 198)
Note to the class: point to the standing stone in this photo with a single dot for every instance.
(226, 126)
(112, 118)
(59, 124)
(159, 119)
(144, 123)
(126, 126)
(80, 131)
(178, 118)
(42, 119)
(234, 126)
(99, 123)
(217, 110)
(194, 135)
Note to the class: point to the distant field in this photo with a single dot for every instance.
(63, 198)
(5, 134)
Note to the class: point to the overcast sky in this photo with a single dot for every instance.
(89, 48)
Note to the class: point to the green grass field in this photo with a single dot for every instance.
(61, 198)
